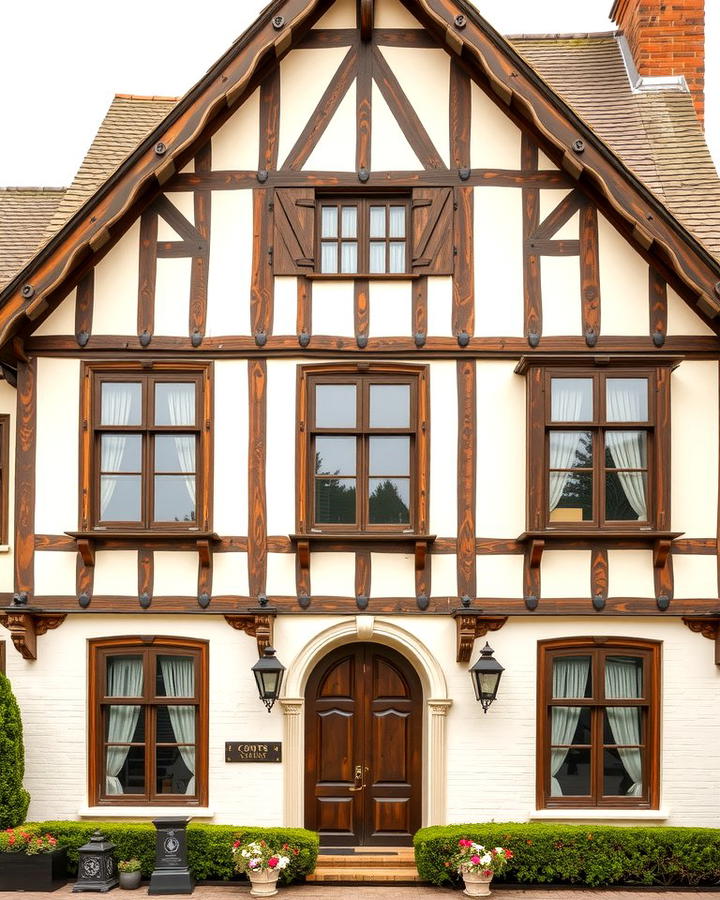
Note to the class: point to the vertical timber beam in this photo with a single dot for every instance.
(25, 453)
(269, 121)
(362, 310)
(531, 261)
(257, 501)
(657, 296)
(202, 199)
(590, 274)
(147, 274)
(262, 286)
(363, 100)
(146, 573)
(84, 300)
(466, 380)
(460, 116)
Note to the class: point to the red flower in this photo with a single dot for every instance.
(236, 844)
(273, 861)
(464, 842)
(11, 839)
(487, 873)
(295, 851)
(508, 854)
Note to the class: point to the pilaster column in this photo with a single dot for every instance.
(437, 760)
(293, 780)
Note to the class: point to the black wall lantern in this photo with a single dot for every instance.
(486, 677)
(268, 672)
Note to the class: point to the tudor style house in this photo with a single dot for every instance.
(390, 334)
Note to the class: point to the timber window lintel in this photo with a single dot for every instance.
(258, 623)
(471, 624)
(26, 623)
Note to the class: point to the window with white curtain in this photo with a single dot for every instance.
(598, 723)
(363, 235)
(147, 447)
(149, 720)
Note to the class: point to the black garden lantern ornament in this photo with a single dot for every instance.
(268, 672)
(485, 676)
(97, 869)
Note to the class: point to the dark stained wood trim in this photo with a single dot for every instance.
(146, 572)
(321, 38)
(25, 456)
(205, 575)
(257, 500)
(467, 461)
(599, 572)
(420, 306)
(147, 273)
(404, 113)
(304, 305)
(362, 573)
(269, 121)
(531, 574)
(167, 210)
(262, 287)
(5, 476)
(324, 111)
(531, 261)
(180, 249)
(84, 300)
(363, 103)
(84, 577)
(361, 308)
(199, 272)
(366, 18)
(662, 450)
(560, 216)
(2, 658)
(463, 312)
(324, 38)
(554, 248)
(460, 116)
(232, 180)
(657, 296)
(590, 273)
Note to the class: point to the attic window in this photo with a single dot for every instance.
(363, 235)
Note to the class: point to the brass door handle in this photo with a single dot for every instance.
(359, 785)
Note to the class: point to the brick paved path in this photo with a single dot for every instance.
(338, 892)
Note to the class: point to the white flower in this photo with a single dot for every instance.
(485, 860)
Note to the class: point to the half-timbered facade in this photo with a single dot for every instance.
(377, 344)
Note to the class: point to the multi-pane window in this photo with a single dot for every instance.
(147, 446)
(366, 236)
(149, 720)
(362, 451)
(597, 727)
(599, 432)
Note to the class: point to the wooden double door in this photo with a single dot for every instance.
(363, 748)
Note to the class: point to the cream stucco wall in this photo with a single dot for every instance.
(280, 433)
(285, 306)
(237, 144)
(494, 139)
(681, 319)
(335, 151)
(230, 512)
(498, 262)
(340, 15)
(490, 767)
(390, 149)
(390, 308)
(172, 296)
(230, 270)
(561, 301)
(391, 14)
(116, 286)
(439, 306)
(61, 320)
(333, 305)
(443, 448)
(623, 284)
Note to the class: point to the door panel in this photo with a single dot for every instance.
(363, 738)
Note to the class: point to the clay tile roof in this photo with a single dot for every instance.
(24, 216)
(128, 120)
(656, 134)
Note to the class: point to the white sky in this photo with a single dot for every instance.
(62, 60)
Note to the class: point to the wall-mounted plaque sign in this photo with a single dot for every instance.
(253, 751)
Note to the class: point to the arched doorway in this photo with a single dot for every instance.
(363, 748)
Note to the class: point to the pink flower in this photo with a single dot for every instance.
(273, 861)
(464, 842)
(475, 859)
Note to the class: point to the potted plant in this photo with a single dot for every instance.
(130, 873)
(262, 863)
(30, 862)
(478, 865)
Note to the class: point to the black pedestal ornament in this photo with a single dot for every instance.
(171, 874)
(97, 869)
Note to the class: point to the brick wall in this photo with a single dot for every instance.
(666, 37)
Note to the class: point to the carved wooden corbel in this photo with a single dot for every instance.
(471, 625)
(707, 626)
(25, 625)
(258, 624)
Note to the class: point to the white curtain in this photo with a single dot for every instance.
(623, 679)
(181, 406)
(116, 407)
(626, 447)
(569, 679)
(125, 679)
(179, 676)
(566, 407)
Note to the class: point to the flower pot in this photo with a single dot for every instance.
(130, 880)
(476, 884)
(264, 883)
(39, 872)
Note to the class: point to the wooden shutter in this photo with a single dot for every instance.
(294, 231)
(432, 231)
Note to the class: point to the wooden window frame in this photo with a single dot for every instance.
(365, 374)
(363, 202)
(597, 648)
(149, 647)
(93, 375)
(4, 478)
(658, 449)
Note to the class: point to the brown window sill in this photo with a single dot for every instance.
(87, 540)
(377, 276)
(421, 542)
(598, 534)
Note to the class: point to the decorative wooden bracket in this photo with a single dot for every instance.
(86, 549)
(25, 624)
(661, 551)
(367, 16)
(473, 624)
(257, 623)
(707, 626)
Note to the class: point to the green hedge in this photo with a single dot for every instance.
(580, 854)
(14, 799)
(209, 846)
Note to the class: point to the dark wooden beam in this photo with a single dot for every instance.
(531, 260)
(460, 116)
(201, 261)
(466, 467)
(257, 501)
(590, 274)
(147, 275)
(84, 301)
(269, 121)
(25, 457)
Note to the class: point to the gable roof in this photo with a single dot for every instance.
(24, 216)
(561, 131)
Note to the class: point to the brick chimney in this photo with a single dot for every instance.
(666, 37)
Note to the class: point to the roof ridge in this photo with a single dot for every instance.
(151, 97)
(30, 187)
(569, 36)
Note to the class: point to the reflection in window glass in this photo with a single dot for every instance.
(572, 399)
(389, 501)
(389, 455)
(175, 676)
(175, 498)
(335, 501)
(572, 496)
(120, 498)
(390, 406)
(627, 399)
(335, 455)
(335, 406)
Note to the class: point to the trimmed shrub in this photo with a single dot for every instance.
(209, 846)
(14, 799)
(580, 854)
